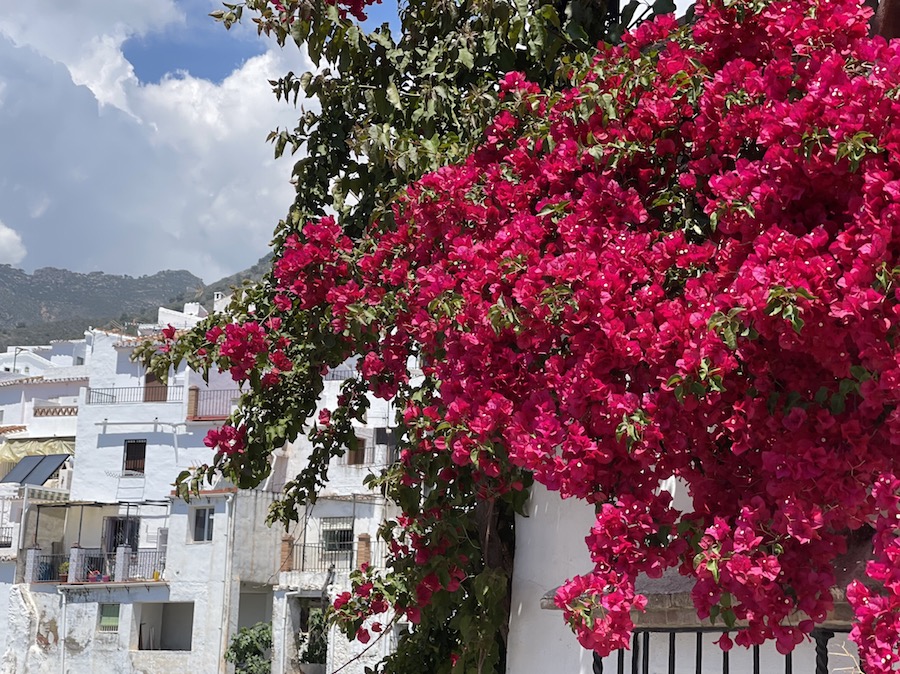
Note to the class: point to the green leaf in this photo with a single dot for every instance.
(466, 58)
(393, 95)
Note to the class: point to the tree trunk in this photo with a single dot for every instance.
(887, 19)
(496, 529)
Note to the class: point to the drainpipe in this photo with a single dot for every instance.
(62, 631)
(229, 568)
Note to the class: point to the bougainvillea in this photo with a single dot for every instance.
(684, 264)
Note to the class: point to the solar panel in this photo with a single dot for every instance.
(42, 472)
(35, 470)
(22, 469)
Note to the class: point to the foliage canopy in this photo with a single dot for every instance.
(676, 257)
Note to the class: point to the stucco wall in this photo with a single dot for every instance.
(257, 546)
(549, 549)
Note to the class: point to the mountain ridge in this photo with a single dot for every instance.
(53, 303)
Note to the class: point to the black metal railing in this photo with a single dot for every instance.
(6, 537)
(95, 564)
(316, 557)
(143, 565)
(341, 373)
(119, 395)
(362, 455)
(211, 403)
(661, 647)
(48, 567)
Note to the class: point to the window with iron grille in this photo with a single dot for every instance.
(203, 524)
(135, 453)
(359, 453)
(337, 534)
(108, 618)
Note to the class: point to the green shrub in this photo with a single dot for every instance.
(250, 649)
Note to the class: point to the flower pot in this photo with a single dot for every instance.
(64, 578)
(105, 578)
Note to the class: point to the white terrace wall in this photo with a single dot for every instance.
(550, 549)
(17, 404)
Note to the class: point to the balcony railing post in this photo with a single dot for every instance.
(32, 564)
(121, 571)
(76, 564)
(364, 550)
(193, 399)
(287, 554)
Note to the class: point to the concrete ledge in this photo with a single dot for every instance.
(669, 605)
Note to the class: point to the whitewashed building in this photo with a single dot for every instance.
(109, 572)
(334, 536)
(116, 575)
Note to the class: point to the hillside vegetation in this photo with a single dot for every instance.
(53, 304)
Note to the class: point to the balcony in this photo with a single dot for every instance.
(6, 537)
(321, 557)
(48, 568)
(129, 395)
(211, 404)
(93, 565)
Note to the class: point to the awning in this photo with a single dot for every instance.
(17, 449)
(35, 470)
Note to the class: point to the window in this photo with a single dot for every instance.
(108, 618)
(358, 454)
(337, 534)
(135, 453)
(203, 524)
(120, 531)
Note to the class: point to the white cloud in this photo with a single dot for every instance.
(118, 175)
(11, 249)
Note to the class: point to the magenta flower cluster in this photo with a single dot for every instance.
(685, 266)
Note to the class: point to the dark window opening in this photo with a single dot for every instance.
(135, 453)
(203, 524)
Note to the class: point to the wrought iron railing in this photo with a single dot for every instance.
(316, 557)
(95, 564)
(118, 395)
(671, 651)
(143, 565)
(6, 537)
(363, 455)
(341, 373)
(121, 566)
(48, 567)
(211, 403)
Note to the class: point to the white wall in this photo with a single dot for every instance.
(549, 549)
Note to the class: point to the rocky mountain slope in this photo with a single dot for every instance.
(59, 304)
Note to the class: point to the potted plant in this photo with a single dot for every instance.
(93, 576)
(64, 572)
(105, 578)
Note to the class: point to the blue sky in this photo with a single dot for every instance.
(134, 136)
(197, 45)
